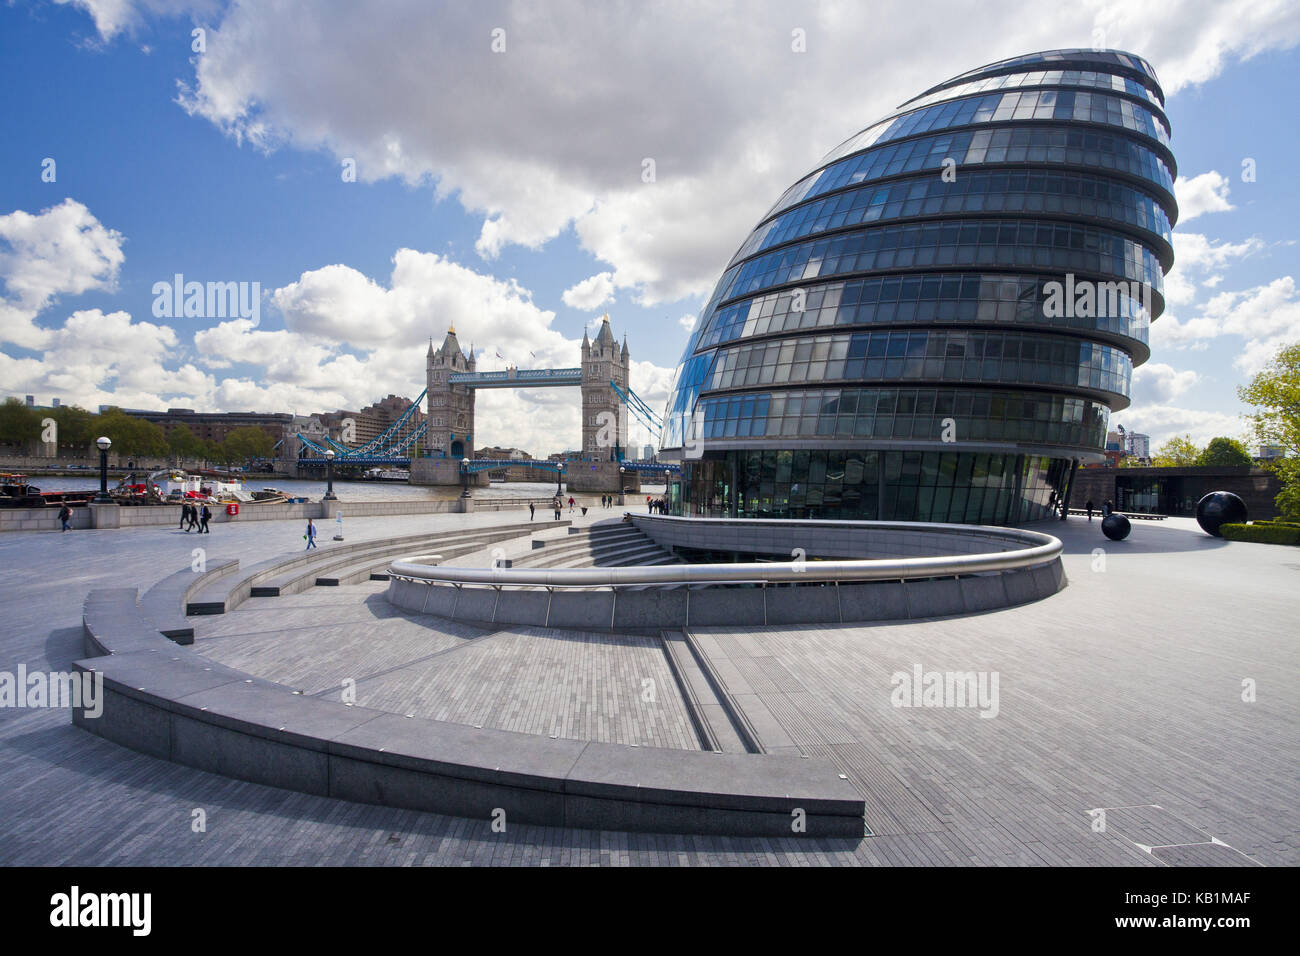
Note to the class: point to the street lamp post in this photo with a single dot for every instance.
(329, 476)
(559, 473)
(104, 445)
(464, 478)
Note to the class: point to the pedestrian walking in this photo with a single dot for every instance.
(570, 504)
(557, 506)
(1089, 505)
(65, 515)
(310, 536)
(648, 507)
(185, 514)
(203, 524)
(532, 510)
(194, 517)
(1106, 509)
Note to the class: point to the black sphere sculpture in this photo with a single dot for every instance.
(1116, 526)
(1219, 508)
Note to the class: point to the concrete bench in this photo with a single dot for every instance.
(173, 703)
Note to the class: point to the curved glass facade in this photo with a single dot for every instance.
(935, 323)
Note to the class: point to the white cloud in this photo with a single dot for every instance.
(63, 250)
(117, 16)
(97, 357)
(590, 293)
(1163, 422)
(1195, 258)
(1207, 192)
(553, 132)
(1266, 317)
(1157, 382)
(687, 322)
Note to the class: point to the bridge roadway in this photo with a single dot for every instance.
(1122, 691)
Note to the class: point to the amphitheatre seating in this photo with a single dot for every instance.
(174, 704)
(602, 545)
(218, 594)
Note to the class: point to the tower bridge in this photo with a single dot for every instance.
(445, 439)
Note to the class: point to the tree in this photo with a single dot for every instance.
(1179, 451)
(1275, 393)
(20, 426)
(184, 443)
(76, 428)
(245, 444)
(131, 436)
(1224, 451)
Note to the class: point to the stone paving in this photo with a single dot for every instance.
(560, 683)
(1123, 692)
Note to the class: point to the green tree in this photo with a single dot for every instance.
(131, 436)
(1224, 451)
(20, 426)
(183, 443)
(245, 444)
(1275, 394)
(76, 429)
(1179, 451)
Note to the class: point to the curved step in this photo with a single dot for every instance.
(273, 576)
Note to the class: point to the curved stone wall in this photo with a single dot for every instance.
(900, 570)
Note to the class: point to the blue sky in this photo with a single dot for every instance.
(513, 180)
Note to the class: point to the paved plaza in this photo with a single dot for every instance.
(1123, 692)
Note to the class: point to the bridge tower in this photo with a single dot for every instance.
(604, 420)
(451, 407)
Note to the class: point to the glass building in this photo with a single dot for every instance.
(935, 323)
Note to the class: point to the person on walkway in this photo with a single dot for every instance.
(1089, 505)
(570, 504)
(65, 515)
(1106, 509)
(648, 507)
(194, 517)
(532, 510)
(203, 523)
(310, 536)
(557, 506)
(185, 516)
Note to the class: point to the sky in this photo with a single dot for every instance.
(518, 170)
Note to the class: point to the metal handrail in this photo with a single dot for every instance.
(1044, 548)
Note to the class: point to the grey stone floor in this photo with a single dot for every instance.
(1122, 692)
(560, 683)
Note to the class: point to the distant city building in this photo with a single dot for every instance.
(310, 427)
(1139, 445)
(213, 426)
(500, 453)
(648, 453)
(368, 423)
(1270, 452)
